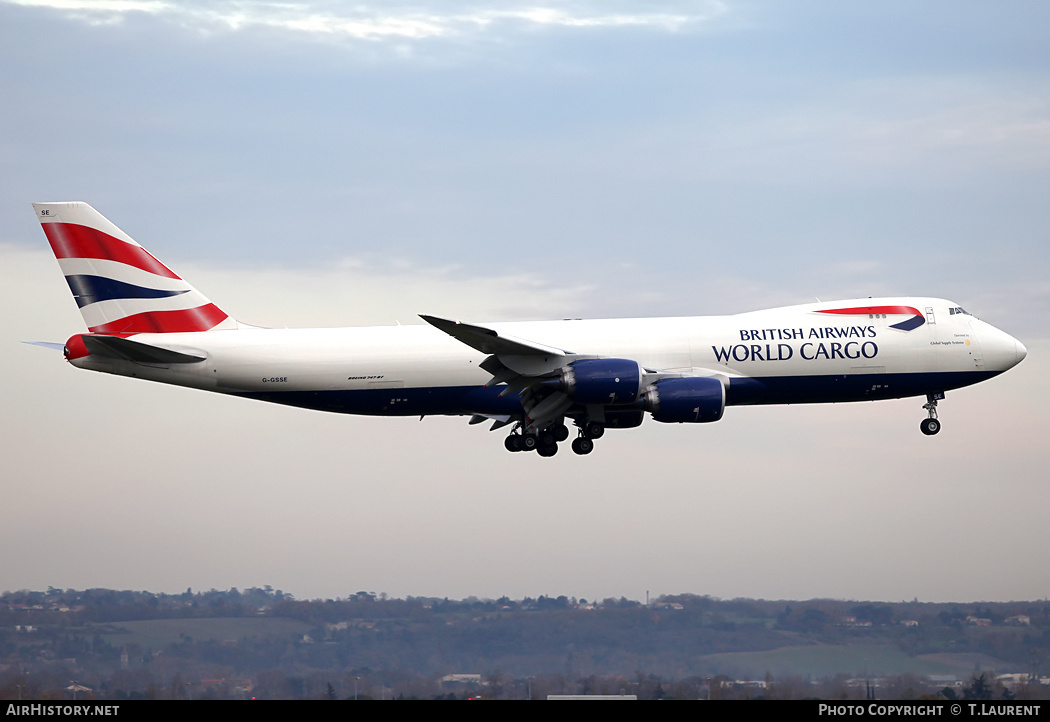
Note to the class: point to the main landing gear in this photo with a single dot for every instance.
(545, 442)
(932, 424)
(589, 431)
(582, 445)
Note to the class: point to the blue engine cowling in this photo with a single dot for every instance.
(606, 381)
(623, 419)
(686, 400)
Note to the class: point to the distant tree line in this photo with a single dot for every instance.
(296, 647)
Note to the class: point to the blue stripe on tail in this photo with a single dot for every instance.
(92, 289)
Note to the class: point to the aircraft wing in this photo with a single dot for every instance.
(489, 341)
(543, 376)
(520, 364)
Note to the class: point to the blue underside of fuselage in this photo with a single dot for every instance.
(457, 400)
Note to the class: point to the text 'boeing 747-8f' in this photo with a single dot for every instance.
(145, 321)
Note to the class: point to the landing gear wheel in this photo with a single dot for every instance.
(528, 442)
(931, 425)
(561, 432)
(513, 442)
(593, 430)
(547, 449)
(582, 445)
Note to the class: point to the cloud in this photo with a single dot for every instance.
(406, 21)
(928, 132)
(355, 292)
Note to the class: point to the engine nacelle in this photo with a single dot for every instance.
(686, 400)
(623, 419)
(606, 381)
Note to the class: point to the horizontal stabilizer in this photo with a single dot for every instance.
(47, 344)
(122, 348)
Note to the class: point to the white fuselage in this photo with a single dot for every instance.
(797, 354)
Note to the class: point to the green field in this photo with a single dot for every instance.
(158, 633)
(829, 660)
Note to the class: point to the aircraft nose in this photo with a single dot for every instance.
(1008, 350)
(1020, 351)
(1001, 350)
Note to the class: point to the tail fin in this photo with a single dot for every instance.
(119, 287)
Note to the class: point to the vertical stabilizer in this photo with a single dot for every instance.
(118, 285)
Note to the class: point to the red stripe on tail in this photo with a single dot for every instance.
(189, 320)
(69, 240)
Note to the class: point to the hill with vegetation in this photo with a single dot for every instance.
(262, 642)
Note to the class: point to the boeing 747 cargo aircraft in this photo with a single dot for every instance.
(145, 321)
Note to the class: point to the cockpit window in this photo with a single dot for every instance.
(956, 310)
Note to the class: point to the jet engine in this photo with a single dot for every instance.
(685, 400)
(606, 381)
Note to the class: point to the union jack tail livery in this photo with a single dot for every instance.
(120, 287)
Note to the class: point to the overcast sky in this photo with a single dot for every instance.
(331, 164)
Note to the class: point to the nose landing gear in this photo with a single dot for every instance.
(932, 424)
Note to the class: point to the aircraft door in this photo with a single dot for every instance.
(973, 345)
